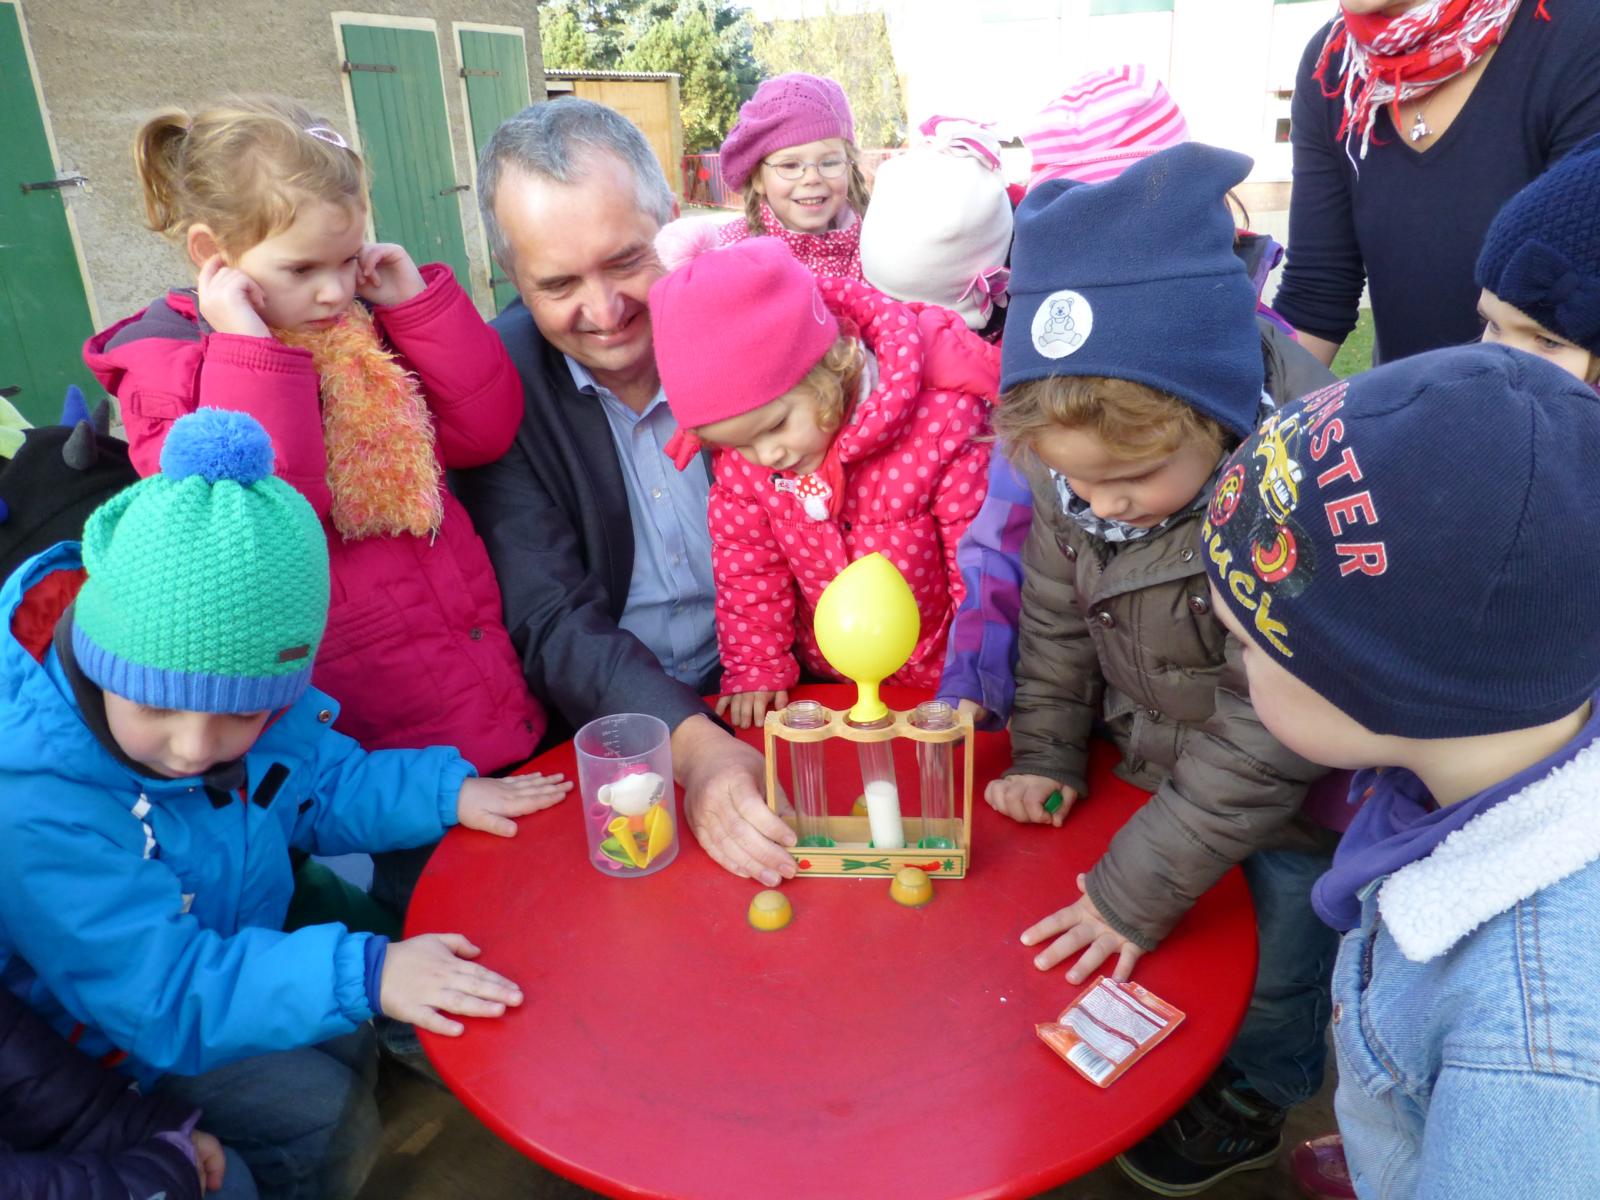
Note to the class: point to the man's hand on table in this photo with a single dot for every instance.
(1081, 927)
(724, 788)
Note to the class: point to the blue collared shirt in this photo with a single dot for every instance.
(671, 604)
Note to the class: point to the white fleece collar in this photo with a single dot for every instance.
(1540, 835)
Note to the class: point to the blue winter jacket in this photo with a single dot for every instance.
(169, 945)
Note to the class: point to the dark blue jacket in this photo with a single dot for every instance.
(72, 1131)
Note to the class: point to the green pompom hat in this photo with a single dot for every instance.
(208, 583)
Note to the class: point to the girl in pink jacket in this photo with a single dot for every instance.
(844, 423)
(371, 377)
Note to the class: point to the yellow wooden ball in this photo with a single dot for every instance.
(911, 887)
(770, 910)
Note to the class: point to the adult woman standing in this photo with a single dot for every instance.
(1412, 123)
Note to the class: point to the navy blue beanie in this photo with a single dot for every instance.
(1542, 253)
(1416, 544)
(1136, 279)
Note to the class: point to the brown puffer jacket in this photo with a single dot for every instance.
(1123, 634)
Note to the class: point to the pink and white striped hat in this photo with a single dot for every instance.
(1103, 122)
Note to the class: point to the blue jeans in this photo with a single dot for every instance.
(1281, 1049)
(304, 1122)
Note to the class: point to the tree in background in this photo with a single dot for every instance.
(564, 42)
(851, 48)
(705, 42)
(708, 45)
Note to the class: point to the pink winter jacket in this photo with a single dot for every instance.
(416, 650)
(913, 481)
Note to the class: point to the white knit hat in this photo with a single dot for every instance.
(939, 226)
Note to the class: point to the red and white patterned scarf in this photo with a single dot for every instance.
(836, 252)
(1388, 60)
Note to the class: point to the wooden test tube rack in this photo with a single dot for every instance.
(852, 855)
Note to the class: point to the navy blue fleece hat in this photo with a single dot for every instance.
(1416, 544)
(1136, 279)
(1542, 254)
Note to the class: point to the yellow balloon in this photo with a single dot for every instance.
(867, 625)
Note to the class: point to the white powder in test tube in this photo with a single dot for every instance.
(883, 815)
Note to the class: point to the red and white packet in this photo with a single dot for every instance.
(1108, 1028)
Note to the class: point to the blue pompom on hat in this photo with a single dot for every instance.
(1136, 279)
(217, 444)
(1415, 544)
(1542, 253)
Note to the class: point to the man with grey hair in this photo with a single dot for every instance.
(601, 547)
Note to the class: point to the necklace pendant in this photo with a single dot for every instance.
(1419, 127)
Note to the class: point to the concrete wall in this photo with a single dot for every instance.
(105, 67)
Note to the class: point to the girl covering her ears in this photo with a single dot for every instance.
(372, 378)
(844, 424)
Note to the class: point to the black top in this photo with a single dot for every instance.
(553, 513)
(1411, 224)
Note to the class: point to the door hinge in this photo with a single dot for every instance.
(382, 68)
(55, 185)
(460, 187)
(475, 73)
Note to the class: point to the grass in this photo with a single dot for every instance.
(1355, 355)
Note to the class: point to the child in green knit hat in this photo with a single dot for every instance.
(161, 750)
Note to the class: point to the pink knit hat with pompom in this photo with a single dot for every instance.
(1105, 121)
(789, 110)
(736, 328)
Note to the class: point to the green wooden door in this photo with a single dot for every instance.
(495, 67)
(44, 313)
(405, 137)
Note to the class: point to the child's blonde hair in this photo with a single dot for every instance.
(856, 195)
(1130, 420)
(242, 168)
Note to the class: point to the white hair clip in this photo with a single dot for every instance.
(331, 136)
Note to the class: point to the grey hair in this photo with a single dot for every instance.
(552, 140)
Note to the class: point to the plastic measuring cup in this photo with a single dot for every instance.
(630, 806)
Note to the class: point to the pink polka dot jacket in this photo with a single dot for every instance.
(913, 479)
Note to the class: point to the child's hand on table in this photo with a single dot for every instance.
(1081, 927)
(489, 804)
(1022, 798)
(386, 274)
(745, 709)
(427, 976)
(208, 1160)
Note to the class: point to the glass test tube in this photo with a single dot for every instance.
(882, 794)
(806, 777)
(936, 773)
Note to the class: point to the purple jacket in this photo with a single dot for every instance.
(72, 1131)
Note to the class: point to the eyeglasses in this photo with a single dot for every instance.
(831, 167)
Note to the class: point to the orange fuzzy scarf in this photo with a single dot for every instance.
(377, 431)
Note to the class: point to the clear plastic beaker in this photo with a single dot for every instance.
(630, 806)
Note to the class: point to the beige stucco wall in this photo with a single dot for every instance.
(104, 67)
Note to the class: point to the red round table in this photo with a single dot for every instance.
(665, 1048)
